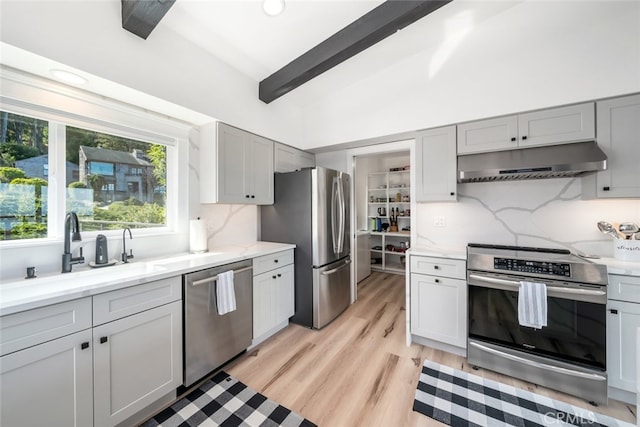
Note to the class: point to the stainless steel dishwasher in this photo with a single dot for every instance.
(210, 339)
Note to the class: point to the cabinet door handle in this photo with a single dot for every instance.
(524, 137)
(253, 196)
(613, 311)
(275, 260)
(273, 277)
(247, 196)
(437, 280)
(103, 340)
(452, 193)
(606, 188)
(279, 275)
(513, 139)
(435, 267)
(84, 345)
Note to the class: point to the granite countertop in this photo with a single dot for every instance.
(438, 252)
(20, 295)
(614, 266)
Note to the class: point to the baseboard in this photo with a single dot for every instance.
(146, 413)
(258, 340)
(622, 395)
(439, 345)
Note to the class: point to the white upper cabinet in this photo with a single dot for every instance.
(436, 166)
(619, 138)
(289, 159)
(258, 171)
(488, 135)
(235, 166)
(306, 160)
(545, 127)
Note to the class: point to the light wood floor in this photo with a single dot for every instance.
(357, 371)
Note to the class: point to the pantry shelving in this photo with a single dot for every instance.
(389, 215)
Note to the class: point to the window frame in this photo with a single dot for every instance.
(64, 106)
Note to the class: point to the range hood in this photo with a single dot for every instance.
(551, 161)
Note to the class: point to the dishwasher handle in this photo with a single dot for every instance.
(214, 278)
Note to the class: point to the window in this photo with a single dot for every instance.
(24, 157)
(64, 118)
(105, 163)
(110, 181)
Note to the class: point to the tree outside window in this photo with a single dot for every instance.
(23, 181)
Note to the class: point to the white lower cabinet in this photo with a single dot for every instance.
(272, 299)
(438, 309)
(273, 294)
(137, 360)
(623, 321)
(49, 384)
(58, 370)
(439, 301)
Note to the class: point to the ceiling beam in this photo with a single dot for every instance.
(141, 16)
(381, 22)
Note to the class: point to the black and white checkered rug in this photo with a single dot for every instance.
(458, 398)
(225, 401)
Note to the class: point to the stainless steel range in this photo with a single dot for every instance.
(569, 354)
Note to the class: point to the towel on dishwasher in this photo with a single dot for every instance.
(225, 293)
(532, 304)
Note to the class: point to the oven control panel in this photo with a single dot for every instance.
(535, 267)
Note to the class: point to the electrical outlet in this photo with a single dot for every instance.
(439, 221)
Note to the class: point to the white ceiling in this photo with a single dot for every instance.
(239, 33)
(242, 35)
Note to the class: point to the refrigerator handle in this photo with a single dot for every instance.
(335, 205)
(342, 215)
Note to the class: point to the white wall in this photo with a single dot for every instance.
(515, 56)
(88, 36)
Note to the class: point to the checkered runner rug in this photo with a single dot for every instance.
(225, 401)
(458, 398)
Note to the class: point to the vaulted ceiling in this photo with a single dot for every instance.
(288, 50)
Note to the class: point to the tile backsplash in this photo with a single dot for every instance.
(543, 213)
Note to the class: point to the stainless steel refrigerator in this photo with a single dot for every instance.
(311, 209)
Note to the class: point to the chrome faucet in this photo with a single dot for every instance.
(71, 227)
(126, 257)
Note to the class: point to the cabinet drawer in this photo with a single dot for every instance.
(446, 267)
(269, 262)
(624, 288)
(32, 327)
(125, 302)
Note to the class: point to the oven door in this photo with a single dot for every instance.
(576, 314)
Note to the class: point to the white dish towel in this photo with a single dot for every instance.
(225, 293)
(532, 304)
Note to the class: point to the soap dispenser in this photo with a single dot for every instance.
(102, 257)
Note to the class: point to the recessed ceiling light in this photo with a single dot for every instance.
(273, 7)
(69, 77)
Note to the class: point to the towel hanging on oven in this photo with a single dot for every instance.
(225, 293)
(532, 304)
